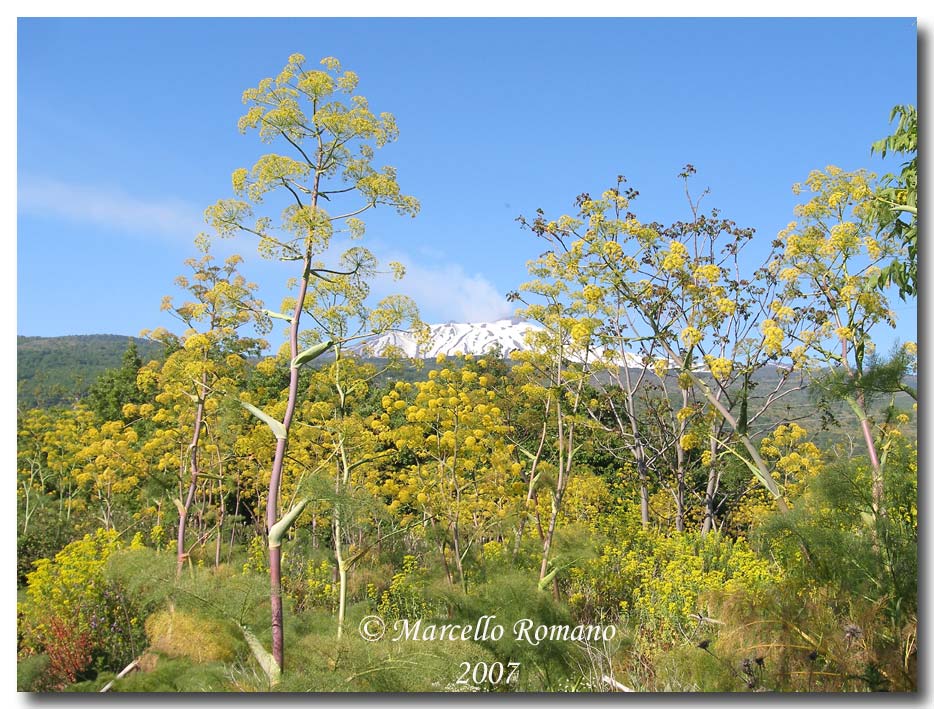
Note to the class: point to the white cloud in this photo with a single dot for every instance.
(446, 292)
(443, 291)
(109, 207)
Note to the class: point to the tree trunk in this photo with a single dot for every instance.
(341, 574)
(275, 479)
(444, 560)
(878, 487)
(713, 484)
(530, 496)
(193, 483)
(233, 527)
(217, 542)
(275, 553)
(458, 562)
(275, 597)
(679, 490)
(550, 534)
(643, 494)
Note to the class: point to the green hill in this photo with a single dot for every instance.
(52, 371)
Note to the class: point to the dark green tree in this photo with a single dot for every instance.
(117, 387)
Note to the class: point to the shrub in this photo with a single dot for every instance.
(221, 593)
(75, 615)
(46, 535)
(182, 634)
(845, 616)
(68, 650)
(657, 582)
(405, 597)
(513, 596)
(171, 675)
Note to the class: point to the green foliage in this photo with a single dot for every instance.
(405, 597)
(850, 548)
(47, 533)
(882, 376)
(32, 674)
(896, 201)
(319, 662)
(224, 594)
(183, 634)
(845, 616)
(117, 387)
(687, 668)
(512, 597)
(175, 675)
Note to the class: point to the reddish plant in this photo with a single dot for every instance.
(69, 651)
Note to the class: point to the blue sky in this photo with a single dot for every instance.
(127, 131)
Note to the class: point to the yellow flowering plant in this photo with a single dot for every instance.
(830, 261)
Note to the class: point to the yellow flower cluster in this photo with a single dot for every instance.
(799, 355)
(844, 333)
(691, 440)
(450, 419)
(691, 336)
(266, 366)
(405, 597)
(707, 272)
(612, 250)
(726, 306)
(796, 459)
(676, 257)
(69, 587)
(320, 590)
(783, 312)
(660, 581)
(774, 336)
(592, 293)
(581, 332)
(720, 367)
(844, 237)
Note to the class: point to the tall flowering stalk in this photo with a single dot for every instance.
(330, 135)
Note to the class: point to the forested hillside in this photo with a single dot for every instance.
(52, 371)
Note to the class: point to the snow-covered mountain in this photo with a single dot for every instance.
(451, 338)
(465, 338)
